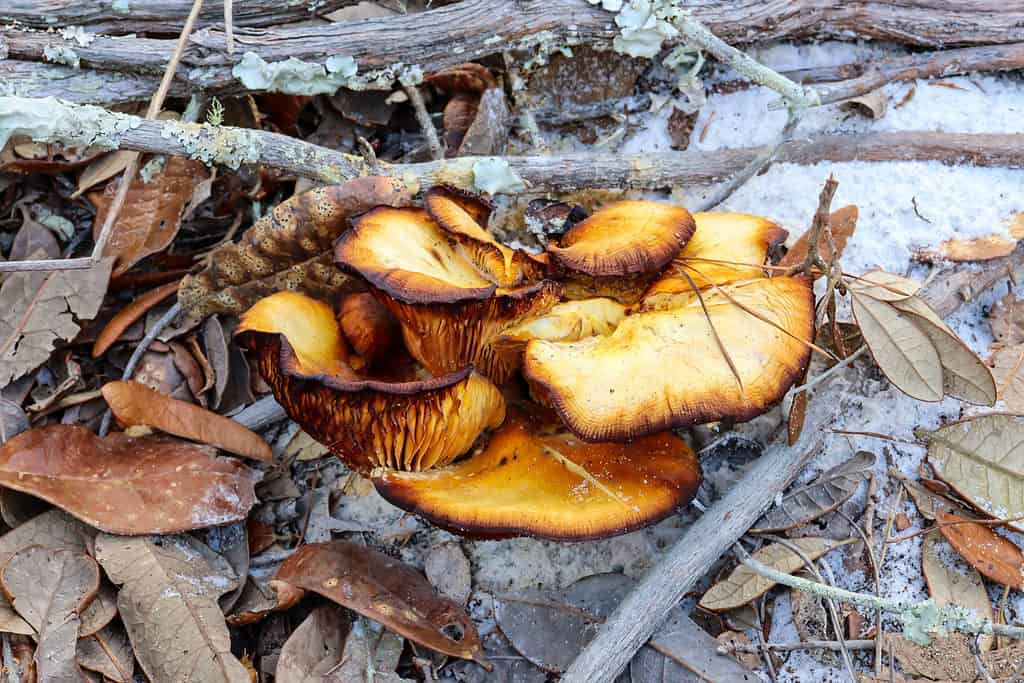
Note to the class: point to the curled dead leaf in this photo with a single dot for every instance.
(384, 590)
(127, 316)
(134, 403)
(993, 555)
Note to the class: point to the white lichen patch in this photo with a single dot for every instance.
(294, 76)
(152, 169)
(495, 176)
(47, 119)
(121, 6)
(78, 34)
(59, 54)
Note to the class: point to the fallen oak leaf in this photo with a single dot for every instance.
(979, 458)
(108, 652)
(842, 223)
(50, 589)
(100, 612)
(134, 404)
(744, 584)
(954, 583)
(152, 211)
(1007, 363)
(127, 316)
(387, 591)
(168, 602)
(993, 555)
(150, 484)
(40, 307)
(258, 600)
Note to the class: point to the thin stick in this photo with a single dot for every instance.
(820, 222)
(155, 105)
(756, 165)
(796, 95)
(941, 525)
(714, 333)
(423, 118)
(889, 519)
(846, 362)
(83, 263)
(876, 435)
(730, 648)
(229, 26)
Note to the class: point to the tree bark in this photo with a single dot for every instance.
(474, 29)
(157, 16)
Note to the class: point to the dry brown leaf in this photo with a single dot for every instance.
(964, 375)
(872, 105)
(797, 414)
(258, 600)
(108, 652)
(946, 658)
(100, 612)
(289, 248)
(1007, 364)
(127, 316)
(744, 584)
(49, 589)
(841, 226)
(826, 493)
(152, 484)
(965, 250)
(38, 308)
(928, 502)
(304, 448)
(993, 555)
(953, 583)
(982, 459)
(313, 652)
(883, 286)
(152, 212)
(168, 602)
(33, 238)
(385, 590)
(1006, 320)
(134, 404)
(102, 168)
(902, 350)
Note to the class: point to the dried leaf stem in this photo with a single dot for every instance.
(423, 118)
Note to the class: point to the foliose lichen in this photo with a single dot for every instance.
(47, 119)
(644, 25)
(495, 176)
(59, 54)
(121, 6)
(294, 76)
(78, 35)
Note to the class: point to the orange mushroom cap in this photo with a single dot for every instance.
(566, 322)
(463, 217)
(406, 255)
(624, 238)
(366, 422)
(369, 327)
(662, 369)
(535, 479)
(726, 247)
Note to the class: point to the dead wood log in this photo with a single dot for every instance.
(473, 29)
(157, 16)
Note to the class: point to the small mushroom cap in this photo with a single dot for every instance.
(665, 369)
(369, 327)
(445, 337)
(365, 421)
(722, 239)
(536, 479)
(405, 254)
(463, 217)
(625, 238)
(565, 322)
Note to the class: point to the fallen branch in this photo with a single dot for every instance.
(644, 609)
(157, 16)
(49, 121)
(474, 29)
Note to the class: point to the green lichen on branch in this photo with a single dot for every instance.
(229, 147)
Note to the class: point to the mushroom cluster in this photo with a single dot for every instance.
(641, 318)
